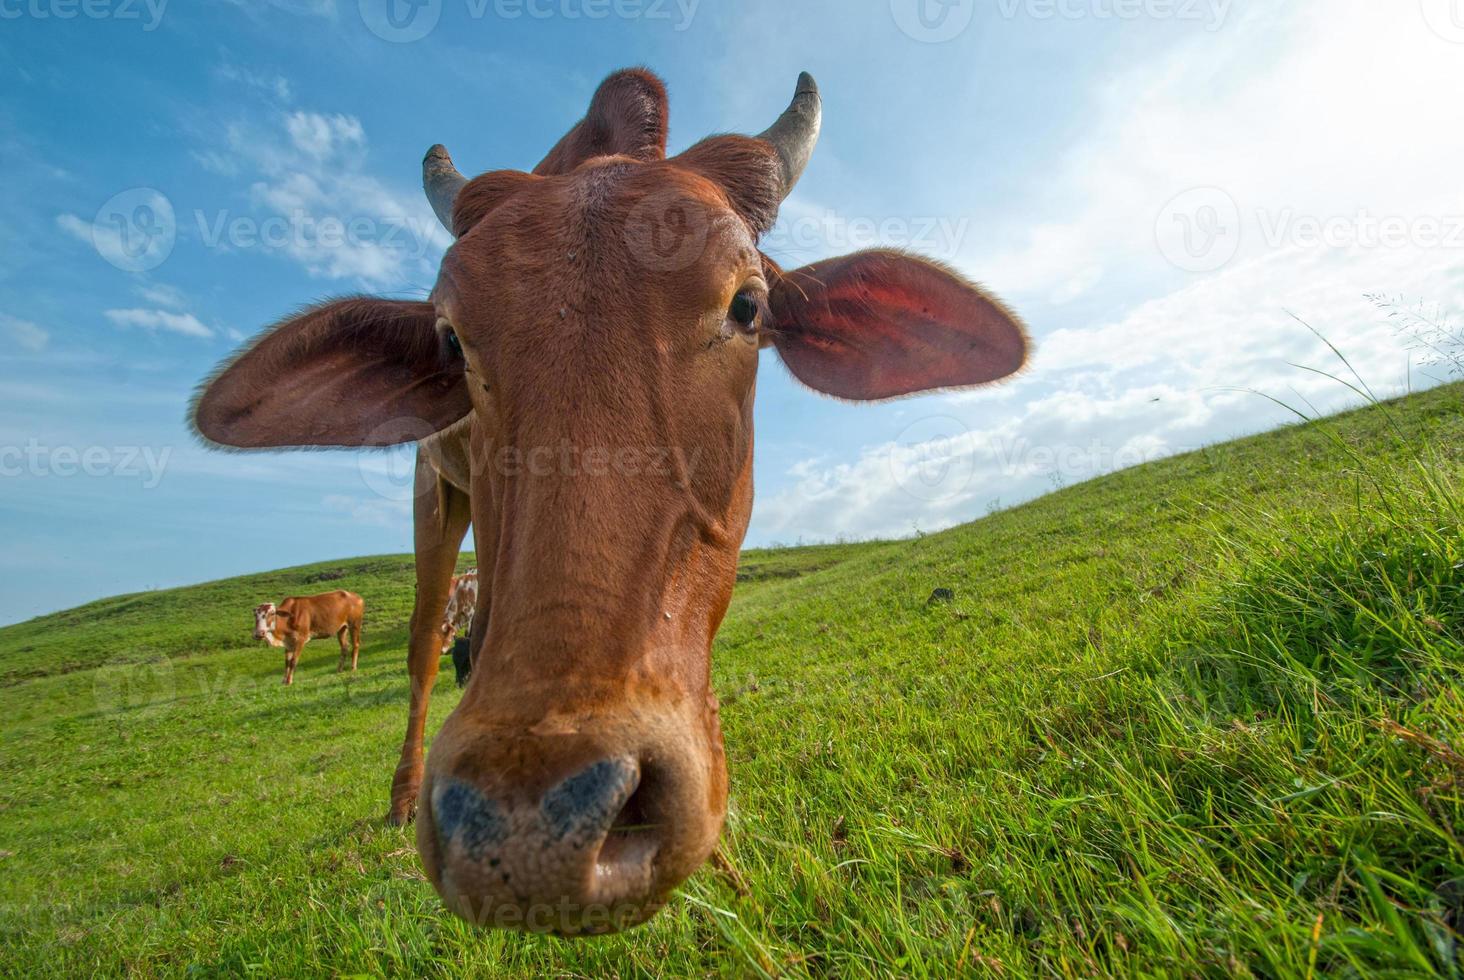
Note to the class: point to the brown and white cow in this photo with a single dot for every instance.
(580, 382)
(462, 600)
(299, 619)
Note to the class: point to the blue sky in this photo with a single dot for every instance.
(1161, 187)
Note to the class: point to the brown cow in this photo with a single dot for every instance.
(299, 619)
(580, 383)
(462, 601)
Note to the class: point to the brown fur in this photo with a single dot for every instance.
(591, 301)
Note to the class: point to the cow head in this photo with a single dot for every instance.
(598, 323)
(461, 603)
(266, 621)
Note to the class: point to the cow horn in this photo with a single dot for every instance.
(796, 131)
(441, 181)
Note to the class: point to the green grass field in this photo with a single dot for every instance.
(1201, 717)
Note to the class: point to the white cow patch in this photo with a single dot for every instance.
(458, 617)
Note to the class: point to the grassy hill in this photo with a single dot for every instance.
(1201, 717)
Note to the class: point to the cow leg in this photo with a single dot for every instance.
(355, 644)
(292, 657)
(441, 517)
(341, 635)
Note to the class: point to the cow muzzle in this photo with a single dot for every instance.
(566, 834)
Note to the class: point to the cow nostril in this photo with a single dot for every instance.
(634, 836)
(581, 807)
(462, 812)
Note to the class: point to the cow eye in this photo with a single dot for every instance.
(744, 310)
(449, 337)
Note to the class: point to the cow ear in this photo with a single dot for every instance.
(353, 372)
(748, 172)
(881, 324)
(627, 117)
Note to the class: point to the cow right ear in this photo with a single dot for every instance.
(348, 373)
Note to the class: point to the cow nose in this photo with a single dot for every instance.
(578, 859)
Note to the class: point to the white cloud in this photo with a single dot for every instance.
(180, 323)
(1324, 123)
(316, 204)
(75, 227)
(163, 295)
(24, 334)
(323, 136)
(946, 467)
(942, 470)
(1175, 373)
(273, 84)
(1312, 112)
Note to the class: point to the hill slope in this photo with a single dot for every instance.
(1198, 716)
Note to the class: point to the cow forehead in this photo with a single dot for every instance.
(609, 232)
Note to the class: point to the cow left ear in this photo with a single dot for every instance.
(353, 372)
(881, 324)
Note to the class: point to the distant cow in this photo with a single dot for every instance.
(299, 619)
(461, 601)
